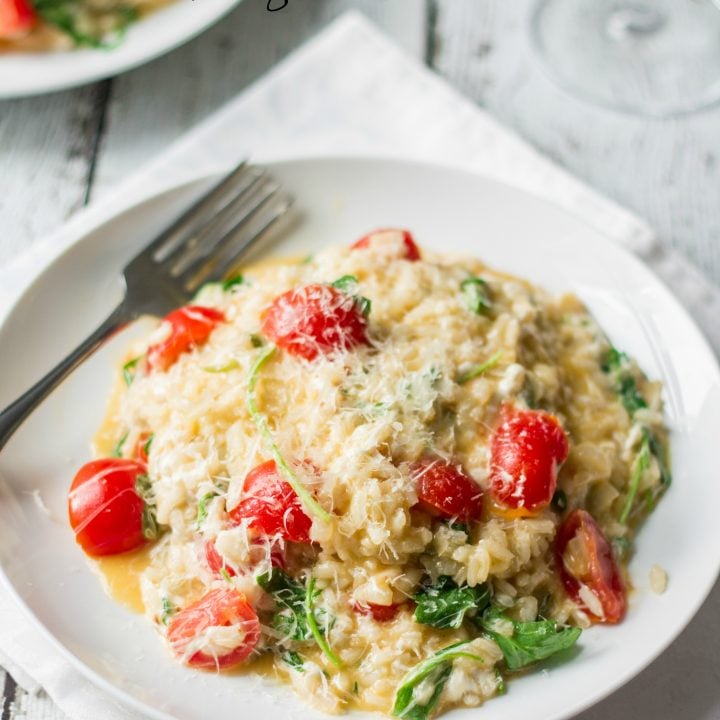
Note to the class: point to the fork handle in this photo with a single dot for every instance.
(15, 414)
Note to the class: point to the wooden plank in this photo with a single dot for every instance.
(154, 105)
(666, 171)
(46, 150)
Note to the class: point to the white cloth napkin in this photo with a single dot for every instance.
(348, 91)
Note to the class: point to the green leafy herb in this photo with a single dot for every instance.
(320, 639)
(478, 370)
(560, 501)
(661, 455)
(225, 574)
(118, 449)
(143, 487)
(202, 510)
(621, 547)
(232, 282)
(148, 444)
(290, 597)
(294, 660)
(256, 340)
(459, 527)
(66, 16)
(168, 610)
(231, 364)
(614, 360)
(436, 669)
(476, 293)
(642, 463)
(348, 285)
(500, 683)
(530, 641)
(308, 501)
(129, 369)
(630, 396)
(444, 604)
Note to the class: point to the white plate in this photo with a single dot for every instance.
(23, 74)
(341, 200)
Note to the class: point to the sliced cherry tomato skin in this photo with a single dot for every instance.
(315, 320)
(379, 613)
(526, 451)
(445, 490)
(190, 326)
(17, 18)
(603, 576)
(272, 506)
(215, 560)
(218, 608)
(142, 447)
(104, 507)
(411, 250)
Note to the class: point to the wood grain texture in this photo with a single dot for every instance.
(152, 106)
(666, 171)
(46, 150)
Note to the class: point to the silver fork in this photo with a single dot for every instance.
(202, 246)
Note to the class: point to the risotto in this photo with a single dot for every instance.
(399, 478)
(45, 25)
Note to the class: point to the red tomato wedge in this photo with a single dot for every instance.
(525, 453)
(595, 569)
(215, 561)
(272, 506)
(315, 320)
(379, 613)
(105, 509)
(410, 249)
(190, 326)
(444, 489)
(17, 18)
(194, 634)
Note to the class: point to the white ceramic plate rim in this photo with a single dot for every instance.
(643, 659)
(25, 74)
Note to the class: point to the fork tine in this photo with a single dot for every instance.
(198, 213)
(237, 241)
(203, 243)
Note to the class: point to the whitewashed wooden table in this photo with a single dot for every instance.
(73, 146)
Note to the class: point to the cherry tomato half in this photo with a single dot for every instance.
(105, 509)
(17, 18)
(444, 489)
(410, 250)
(525, 453)
(190, 630)
(595, 569)
(379, 613)
(189, 326)
(313, 320)
(272, 506)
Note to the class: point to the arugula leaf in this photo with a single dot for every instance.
(614, 360)
(129, 369)
(642, 463)
(530, 641)
(459, 527)
(150, 527)
(231, 364)
(118, 449)
(294, 660)
(65, 14)
(168, 610)
(148, 444)
(256, 340)
(630, 396)
(348, 285)
(476, 293)
(320, 639)
(290, 596)
(478, 370)
(436, 669)
(232, 282)
(444, 604)
(308, 502)
(661, 455)
(202, 510)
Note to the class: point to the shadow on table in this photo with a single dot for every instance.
(678, 684)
